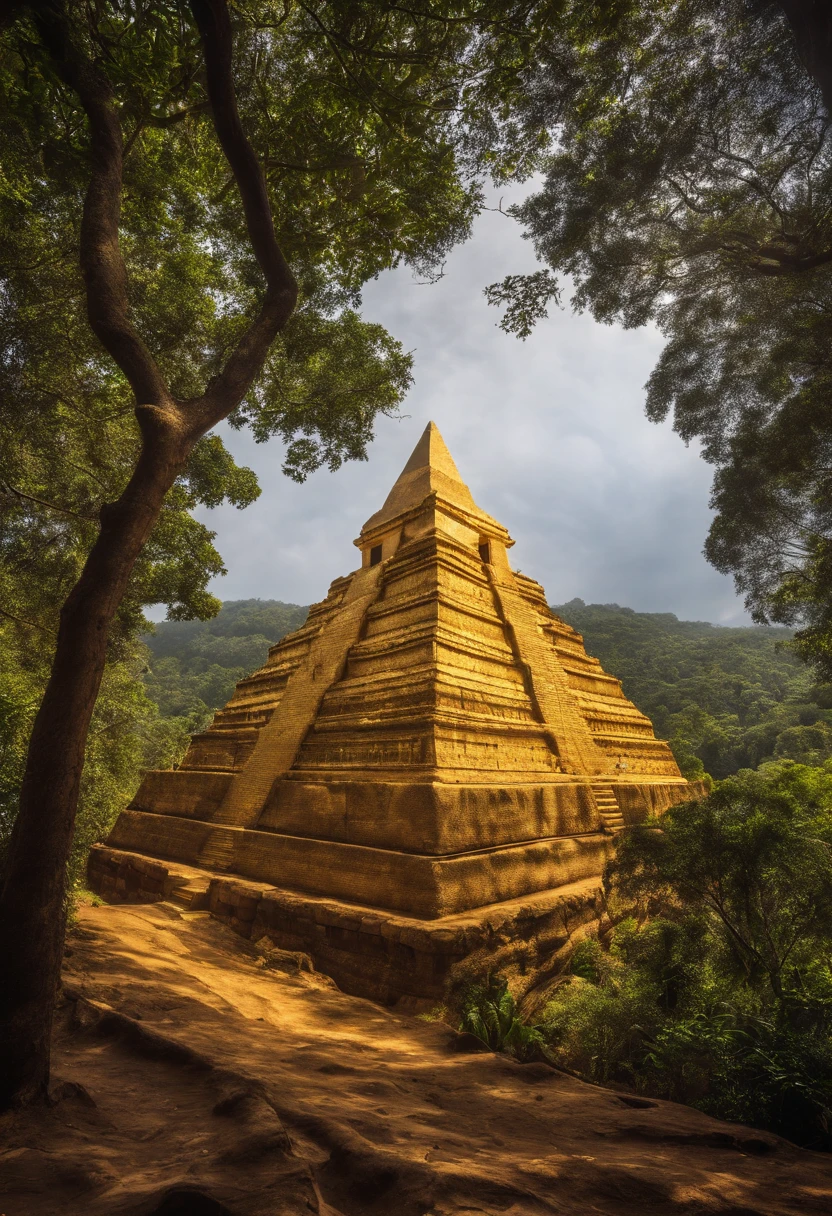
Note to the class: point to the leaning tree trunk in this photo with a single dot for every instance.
(32, 900)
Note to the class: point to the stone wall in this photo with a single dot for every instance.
(389, 958)
(637, 801)
(419, 885)
(129, 878)
(368, 952)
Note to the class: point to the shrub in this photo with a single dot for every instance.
(489, 1012)
(717, 989)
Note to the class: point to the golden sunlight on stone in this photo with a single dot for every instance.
(431, 768)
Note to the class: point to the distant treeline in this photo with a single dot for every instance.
(195, 664)
(725, 698)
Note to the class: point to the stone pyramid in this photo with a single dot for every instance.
(433, 740)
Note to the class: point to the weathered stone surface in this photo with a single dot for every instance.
(433, 740)
(181, 792)
(383, 955)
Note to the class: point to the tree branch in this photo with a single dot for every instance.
(51, 506)
(772, 261)
(102, 265)
(229, 387)
(20, 620)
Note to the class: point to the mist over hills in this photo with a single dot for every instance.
(725, 697)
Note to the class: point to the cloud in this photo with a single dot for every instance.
(550, 435)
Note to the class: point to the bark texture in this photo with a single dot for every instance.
(32, 912)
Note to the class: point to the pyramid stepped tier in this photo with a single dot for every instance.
(229, 741)
(433, 740)
(432, 690)
(622, 731)
(201, 782)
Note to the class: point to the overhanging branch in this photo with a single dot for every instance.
(102, 265)
(228, 388)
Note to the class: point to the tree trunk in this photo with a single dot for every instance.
(32, 911)
(32, 914)
(811, 23)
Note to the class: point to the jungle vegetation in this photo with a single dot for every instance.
(710, 981)
(194, 665)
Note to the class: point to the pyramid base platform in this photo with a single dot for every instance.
(385, 956)
(415, 884)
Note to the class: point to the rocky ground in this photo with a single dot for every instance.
(190, 1080)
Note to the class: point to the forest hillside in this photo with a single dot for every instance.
(726, 698)
(194, 665)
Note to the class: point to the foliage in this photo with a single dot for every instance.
(489, 1012)
(195, 665)
(714, 987)
(725, 698)
(755, 857)
(363, 172)
(689, 184)
(600, 1022)
(127, 735)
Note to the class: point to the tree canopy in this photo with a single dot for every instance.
(363, 170)
(689, 184)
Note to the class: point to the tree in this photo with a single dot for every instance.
(147, 146)
(690, 184)
(713, 984)
(754, 858)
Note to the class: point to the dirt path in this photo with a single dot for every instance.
(213, 1086)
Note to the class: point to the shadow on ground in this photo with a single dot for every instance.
(189, 1080)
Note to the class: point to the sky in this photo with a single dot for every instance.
(550, 435)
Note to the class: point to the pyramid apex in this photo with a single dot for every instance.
(432, 452)
(430, 470)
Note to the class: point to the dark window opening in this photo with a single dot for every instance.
(375, 555)
(485, 551)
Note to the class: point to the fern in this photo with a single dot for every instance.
(489, 1012)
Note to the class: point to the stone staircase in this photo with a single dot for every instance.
(218, 851)
(612, 821)
(191, 896)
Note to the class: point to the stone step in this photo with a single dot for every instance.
(612, 821)
(192, 896)
(218, 850)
